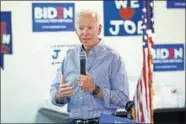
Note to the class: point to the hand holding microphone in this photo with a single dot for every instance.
(84, 80)
(85, 83)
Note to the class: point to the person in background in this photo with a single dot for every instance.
(103, 89)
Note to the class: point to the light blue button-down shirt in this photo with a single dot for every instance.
(107, 71)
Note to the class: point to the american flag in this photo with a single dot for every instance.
(143, 98)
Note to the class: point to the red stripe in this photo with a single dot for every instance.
(150, 83)
(138, 99)
(141, 102)
(145, 74)
(151, 109)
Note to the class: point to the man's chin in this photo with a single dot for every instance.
(85, 43)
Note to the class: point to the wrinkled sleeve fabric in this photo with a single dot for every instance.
(118, 94)
(55, 85)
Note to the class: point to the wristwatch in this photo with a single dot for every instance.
(96, 90)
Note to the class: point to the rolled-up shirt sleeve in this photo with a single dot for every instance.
(55, 85)
(118, 94)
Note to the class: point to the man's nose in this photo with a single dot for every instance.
(85, 31)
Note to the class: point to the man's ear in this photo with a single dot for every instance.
(99, 29)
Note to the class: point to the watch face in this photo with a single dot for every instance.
(96, 90)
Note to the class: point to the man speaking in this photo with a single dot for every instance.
(92, 78)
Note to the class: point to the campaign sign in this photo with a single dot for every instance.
(176, 4)
(6, 33)
(1, 61)
(122, 17)
(168, 57)
(110, 119)
(49, 17)
(58, 53)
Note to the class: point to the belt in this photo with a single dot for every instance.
(88, 121)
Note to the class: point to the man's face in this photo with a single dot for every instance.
(87, 30)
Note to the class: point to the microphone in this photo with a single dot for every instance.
(83, 61)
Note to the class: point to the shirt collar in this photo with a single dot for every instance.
(97, 49)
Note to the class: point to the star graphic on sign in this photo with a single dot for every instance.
(151, 4)
(152, 19)
(144, 9)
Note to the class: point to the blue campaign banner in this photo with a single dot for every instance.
(110, 119)
(168, 57)
(176, 4)
(122, 18)
(49, 17)
(2, 61)
(6, 33)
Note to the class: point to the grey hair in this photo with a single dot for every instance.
(87, 12)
